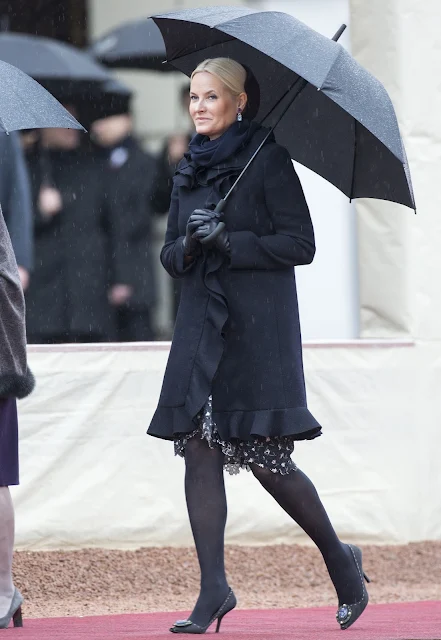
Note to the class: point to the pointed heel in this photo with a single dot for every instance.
(17, 618)
(187, 626)
(366, 578)
(219, 620)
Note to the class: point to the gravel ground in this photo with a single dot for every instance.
(98, 581)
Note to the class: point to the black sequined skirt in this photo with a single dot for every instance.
(268, 453)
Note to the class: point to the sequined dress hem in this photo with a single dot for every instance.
(273, 453)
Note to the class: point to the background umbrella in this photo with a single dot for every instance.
(61, 68)
(132, 45)
(24, 104)
(330, 113)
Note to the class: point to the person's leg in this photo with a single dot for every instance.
(138, 326)
(207, 510)
(296, 494)
(6, 550)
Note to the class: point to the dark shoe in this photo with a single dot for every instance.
(14, 612)
(187, 626)
(347, 614)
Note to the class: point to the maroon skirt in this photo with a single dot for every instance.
(8, 442)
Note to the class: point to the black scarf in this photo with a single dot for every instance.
(217, 163)
(204, 152)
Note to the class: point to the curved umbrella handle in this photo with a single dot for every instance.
(220, 226)
(212, 237)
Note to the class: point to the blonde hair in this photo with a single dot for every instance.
(228, 71)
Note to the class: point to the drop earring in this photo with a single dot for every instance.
(239, 115)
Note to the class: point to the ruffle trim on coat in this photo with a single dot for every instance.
(297, 423)
(211, 343)
(13, 385)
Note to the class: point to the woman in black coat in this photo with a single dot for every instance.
(234, 393)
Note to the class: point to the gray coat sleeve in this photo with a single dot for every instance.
(16, 199)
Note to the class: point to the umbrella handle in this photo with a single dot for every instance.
(339, 33)
(220, 226)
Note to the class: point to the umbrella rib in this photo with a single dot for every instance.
(354, 159)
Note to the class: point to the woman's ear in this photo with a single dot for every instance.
(242, 101)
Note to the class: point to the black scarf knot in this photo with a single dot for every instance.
(216, 163)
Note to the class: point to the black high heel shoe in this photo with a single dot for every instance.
(187, 626)
(347, 614)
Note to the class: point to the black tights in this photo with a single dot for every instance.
(207, 508)
(299, 498)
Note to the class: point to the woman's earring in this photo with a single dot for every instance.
(239, 115)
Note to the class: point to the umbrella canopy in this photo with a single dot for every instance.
(56, 65)
(342, 125)
(132, 45)
(25, 104)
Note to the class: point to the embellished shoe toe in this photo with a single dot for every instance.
(347, 614)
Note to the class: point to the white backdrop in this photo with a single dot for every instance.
(91, 477)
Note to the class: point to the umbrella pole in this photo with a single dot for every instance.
(221, 204)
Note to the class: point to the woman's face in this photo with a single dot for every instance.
(213, 107)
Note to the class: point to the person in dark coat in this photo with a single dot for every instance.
(75, 239)
(16, 381)
(130, 179)
(167, 161)
(16, 201)
(233, 394)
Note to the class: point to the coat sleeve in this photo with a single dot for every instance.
(18, 204)
(292, 242)
(172, 254)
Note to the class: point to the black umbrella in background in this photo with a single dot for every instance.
(331, 114)
(132, 45)
(61, 68)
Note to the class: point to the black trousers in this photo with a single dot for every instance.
(133, 325)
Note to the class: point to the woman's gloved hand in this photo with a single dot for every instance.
(190, 244)
(208, 223)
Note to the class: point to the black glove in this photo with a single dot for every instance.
(191, 245)
(209, 221)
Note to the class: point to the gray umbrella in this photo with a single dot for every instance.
(328, 111)
(62, 68)
(25, 104)
(133, 45)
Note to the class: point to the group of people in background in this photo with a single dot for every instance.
(79, 209)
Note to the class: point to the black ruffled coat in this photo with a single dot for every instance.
(237, 333)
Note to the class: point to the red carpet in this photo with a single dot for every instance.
(404, 621)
